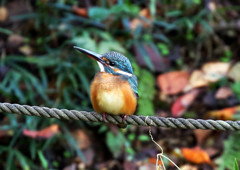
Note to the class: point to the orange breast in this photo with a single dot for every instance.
(110, 94)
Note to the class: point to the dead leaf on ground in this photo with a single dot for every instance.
(15, 41)
(212, 151)
(197, 79)
(189, 167)
(147, 166)
(173, 82)
(214, 71)
(3, 13)
(182, 103)
(212, 6)
(234, 72)
(80, 11)
(201, 135)
(4, 133)
(196, 155)
(82, 138)
(223, 93)
(130, 165)
(26, 49)
(44, 133)
(154, 161)
(137, 21)
(70, 167)
(224, 114)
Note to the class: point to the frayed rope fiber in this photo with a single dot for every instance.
(180, 123)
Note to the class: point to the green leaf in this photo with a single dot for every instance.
(11, 154)
(175, 13)
(236, 167)
(22, 160)
(206, 26)
(197, 1)
(231, 152)
(43, 159)
(98, 13)
(55, 164)
(5, 31)
(131, 136)
(143, 138)
(122, 9)
(67, 154)
(164, 49)
(145, 102)
(115, 142)
(106, 46)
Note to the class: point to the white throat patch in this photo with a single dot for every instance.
(101, 67)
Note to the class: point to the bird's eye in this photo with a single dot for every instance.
(111, 63)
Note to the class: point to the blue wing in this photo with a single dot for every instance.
(134, 84)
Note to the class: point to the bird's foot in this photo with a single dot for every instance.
(124, 119)
(104, 117)
(123, 125)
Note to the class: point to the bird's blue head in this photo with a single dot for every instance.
(114, 63)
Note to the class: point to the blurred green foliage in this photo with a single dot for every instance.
(231, 153)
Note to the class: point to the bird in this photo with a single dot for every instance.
(114, 89)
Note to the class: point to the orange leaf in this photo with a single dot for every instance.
(154, 160)
(82, 138)
(80, 11)
(44, 133)
(224, 114)
(196, 155)
(136, 22)
(201, 135)
(182, 103)
(173, 82)
(3, 13)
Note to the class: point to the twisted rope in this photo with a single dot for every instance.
(132, 120)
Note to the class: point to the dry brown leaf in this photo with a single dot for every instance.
(82, 138)
(189, 167)
(214, 71)
(182, 103)
(201, 135)
(26, 49)
(196, 155)
(212, 6)
(80, 11)
(3, 13)
(173, 82)
(224, 114)
(147, 166)
(137, 21)
(212, 151)
(197, 79)
(223, 93)
(15, 40)
(234, 73)
(44, 133)
(4, 133)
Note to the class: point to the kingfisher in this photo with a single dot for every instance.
(114, 89)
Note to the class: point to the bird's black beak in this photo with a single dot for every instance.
(95, 56)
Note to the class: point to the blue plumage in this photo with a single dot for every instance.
(122, 63)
